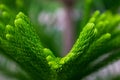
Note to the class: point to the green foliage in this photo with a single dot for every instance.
(21, 43)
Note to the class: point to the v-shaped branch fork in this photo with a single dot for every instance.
(21, 42)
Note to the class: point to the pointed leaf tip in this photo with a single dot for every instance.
(9, 28)
(8, 36)
(108, 35)
(20, 15)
